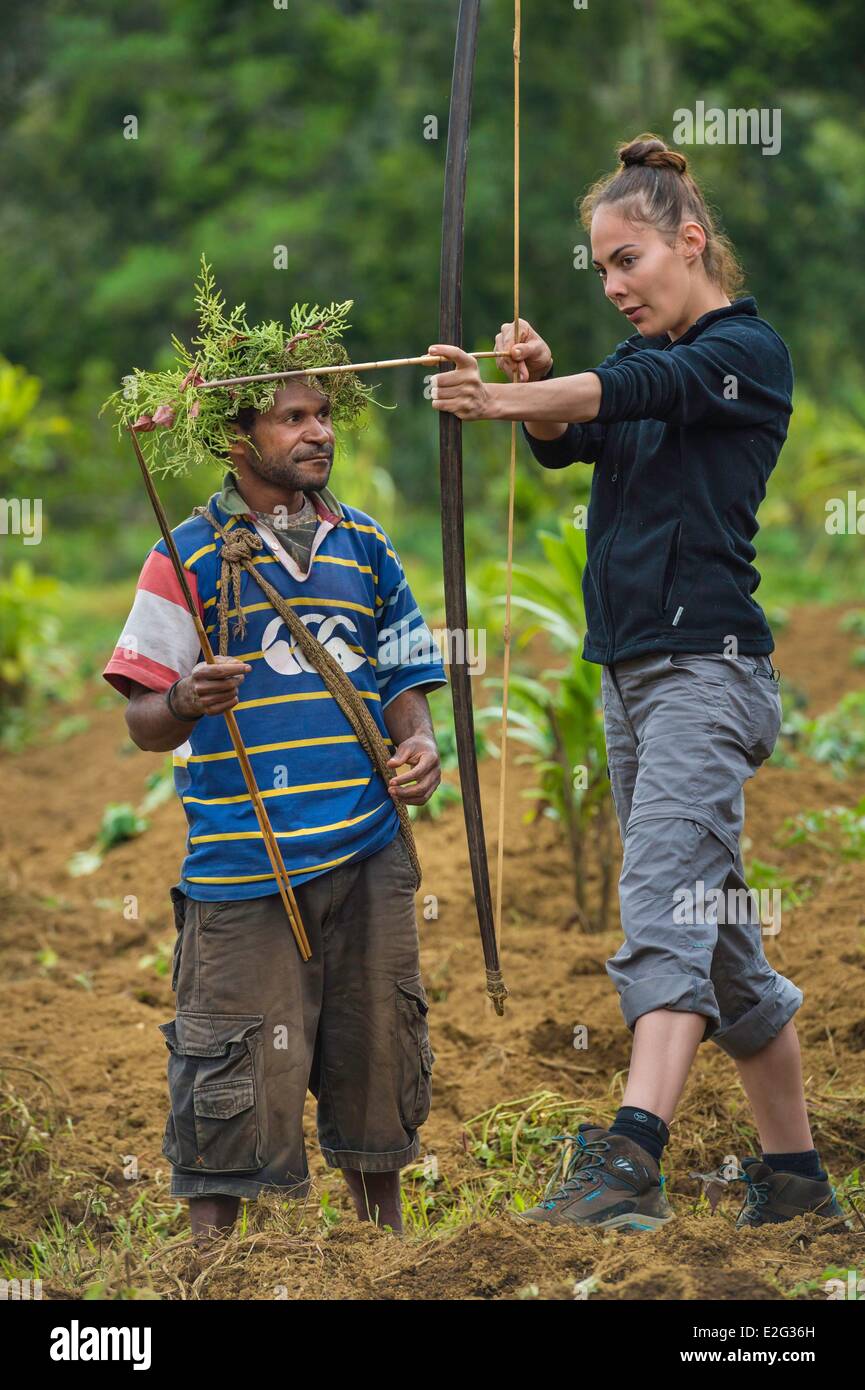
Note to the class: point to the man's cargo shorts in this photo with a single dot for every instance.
(256, 1027)
(684, 733)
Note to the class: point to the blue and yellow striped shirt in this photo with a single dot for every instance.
(325, 802)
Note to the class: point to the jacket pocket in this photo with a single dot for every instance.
(217, 1122)
(594, 606)
(670, 571)
(416, 1055)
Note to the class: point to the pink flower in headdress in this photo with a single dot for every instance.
(144, 424)
(298, 337)
(193, 378)
(164, 416)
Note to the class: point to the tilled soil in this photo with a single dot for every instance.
(99, 1061)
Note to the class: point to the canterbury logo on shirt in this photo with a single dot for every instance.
(282, 654)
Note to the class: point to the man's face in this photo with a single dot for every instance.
(294, 440)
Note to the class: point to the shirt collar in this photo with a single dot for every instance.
(746, 305)
(231, 502)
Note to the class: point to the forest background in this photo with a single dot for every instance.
(305, 136)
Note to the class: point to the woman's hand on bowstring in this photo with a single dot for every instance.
(529, 351)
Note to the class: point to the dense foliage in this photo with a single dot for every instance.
(293, 145)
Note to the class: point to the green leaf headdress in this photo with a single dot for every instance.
(180, 424)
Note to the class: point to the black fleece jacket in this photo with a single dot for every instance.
(682, 446)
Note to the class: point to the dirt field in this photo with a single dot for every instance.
(95, 1040)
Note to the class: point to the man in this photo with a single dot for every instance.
(255, 1025)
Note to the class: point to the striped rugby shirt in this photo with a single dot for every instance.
(325, 802)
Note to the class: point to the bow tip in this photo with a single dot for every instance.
(497, 991)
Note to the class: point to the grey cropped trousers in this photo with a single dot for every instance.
(684, 733)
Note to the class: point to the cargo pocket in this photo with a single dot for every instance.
(416, 1055)
(178, 899)
(217, 1122)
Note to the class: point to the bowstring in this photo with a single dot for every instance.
(512, 473)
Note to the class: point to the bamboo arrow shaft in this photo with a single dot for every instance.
(427, 360)
(273, 852)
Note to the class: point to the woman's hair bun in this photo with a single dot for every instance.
(650, 151)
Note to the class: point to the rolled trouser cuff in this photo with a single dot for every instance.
(754, 1029)
(363, 1162)
(214, 1186)
(679, 991)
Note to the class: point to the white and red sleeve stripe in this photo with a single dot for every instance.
(159, 643)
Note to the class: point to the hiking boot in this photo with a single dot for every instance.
(772, 1197)
(611, 1183)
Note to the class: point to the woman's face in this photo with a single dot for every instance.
(642, 274)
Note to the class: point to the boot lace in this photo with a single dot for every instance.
(756, 1196)
(575, 1168)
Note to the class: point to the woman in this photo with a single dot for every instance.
(683, 424)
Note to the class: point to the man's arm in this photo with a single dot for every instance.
(208, 689)
(410, 726)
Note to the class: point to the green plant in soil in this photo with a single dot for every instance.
(558, 717)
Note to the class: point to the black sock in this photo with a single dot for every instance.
(806, 1164)
(646, 1129)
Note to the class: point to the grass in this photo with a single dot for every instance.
(763, 877)
(88, 622)
(86, 1237)
(838, 829)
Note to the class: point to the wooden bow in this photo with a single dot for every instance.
(451, 468)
